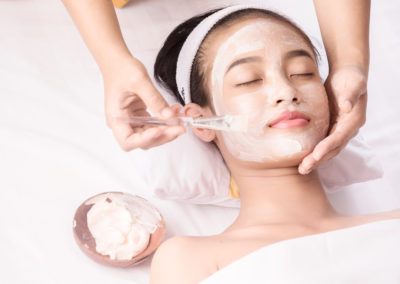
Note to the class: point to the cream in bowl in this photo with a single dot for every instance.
(118, 229)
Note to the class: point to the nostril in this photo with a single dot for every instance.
(279, 101)
(294, 99)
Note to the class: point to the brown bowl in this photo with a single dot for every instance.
(87, 242)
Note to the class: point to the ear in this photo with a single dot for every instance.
(194, 110)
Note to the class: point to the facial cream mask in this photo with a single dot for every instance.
(267, 40)
(121, 226)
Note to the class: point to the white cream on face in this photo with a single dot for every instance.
(118, 231)
(268, 39)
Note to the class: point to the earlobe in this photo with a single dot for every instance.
(194, 110)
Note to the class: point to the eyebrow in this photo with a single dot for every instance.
(297, 52)
(243, 61)
(288, 55)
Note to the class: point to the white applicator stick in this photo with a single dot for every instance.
(223, 123)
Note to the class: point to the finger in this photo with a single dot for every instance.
(328, 144)
(121, 133)
(306, 164)
(349, 101)
(152, 137)
(139, 139)
(153, 99)
(348, 85)
(131, 101)
(129, 105)
(340, 134)
(166, 137)
(309, 163)
(327, 157)
(346, 105)
(343, 130)
(122, 106)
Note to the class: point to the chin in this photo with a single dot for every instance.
(271, 152)
(294, 160)
(276, 162)
(286, 159)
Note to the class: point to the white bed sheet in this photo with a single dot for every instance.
(55, 150)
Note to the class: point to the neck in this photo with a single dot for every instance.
(281, 196)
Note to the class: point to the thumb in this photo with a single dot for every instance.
(348, 99)
(153, 99)
(348, 86)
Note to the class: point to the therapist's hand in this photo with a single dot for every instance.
(129, 91)
(347, 91)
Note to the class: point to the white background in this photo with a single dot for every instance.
(56, 151)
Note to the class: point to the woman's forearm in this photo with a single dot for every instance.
(345, 31)
(97, 22)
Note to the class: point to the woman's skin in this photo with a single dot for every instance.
(277, 202)
(129, 90)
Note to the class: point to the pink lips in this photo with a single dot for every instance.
(290, 119)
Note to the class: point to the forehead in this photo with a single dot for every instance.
(249, 34)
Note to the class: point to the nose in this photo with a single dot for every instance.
(285, 93)
(294, 99)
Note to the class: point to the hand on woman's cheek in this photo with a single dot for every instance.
(347, 87)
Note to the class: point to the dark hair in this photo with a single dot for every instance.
(167, 58)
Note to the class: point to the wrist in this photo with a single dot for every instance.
(113, 60)
(355, 60)
(357, 67)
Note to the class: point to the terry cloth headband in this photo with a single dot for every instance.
(193, 42)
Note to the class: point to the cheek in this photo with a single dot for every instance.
(315, 100)
(245, 103)
(315, 103)
(255, 107)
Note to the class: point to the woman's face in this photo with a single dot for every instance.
(265, 70)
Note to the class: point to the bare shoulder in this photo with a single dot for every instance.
(182, 260)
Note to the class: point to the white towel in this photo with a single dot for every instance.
(367, 254)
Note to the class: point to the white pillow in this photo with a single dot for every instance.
(354, 164)
(191, 170)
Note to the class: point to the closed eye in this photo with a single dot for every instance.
(248, 83)
(303, 75)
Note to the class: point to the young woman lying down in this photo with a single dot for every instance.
(254, 62)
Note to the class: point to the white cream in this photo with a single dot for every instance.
(117, 230)
(263, 144)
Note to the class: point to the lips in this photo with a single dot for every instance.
(290, 119)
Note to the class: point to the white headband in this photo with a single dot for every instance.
(193, 42)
